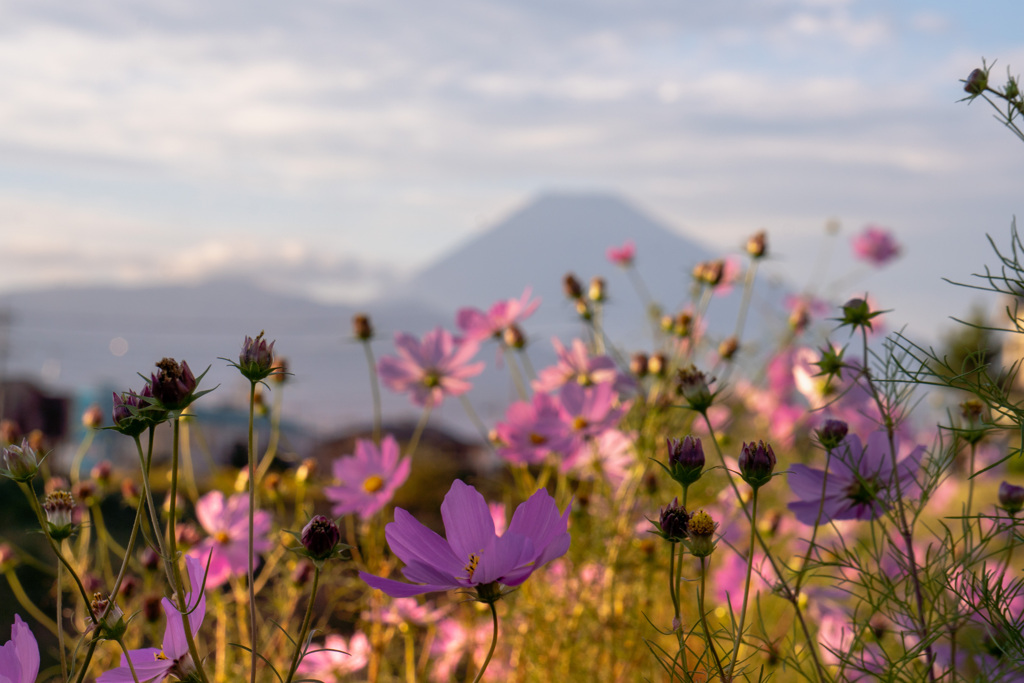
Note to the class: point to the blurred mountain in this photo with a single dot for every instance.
(94, 340)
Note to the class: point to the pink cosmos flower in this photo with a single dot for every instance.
(454, 640)
(576, 365)
(876, 245)
(531, 431)
(432, 369)
(154, 664)
(227, 523)
(336, 658)
(587, 413)
(368, 479)
(479, 326)
(473, 556)
(408, 611)
(622, 256)
(19, 656)
(861, 483)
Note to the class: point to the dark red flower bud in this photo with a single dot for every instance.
(832, 432)
(320, 537)
(685, 459)
(757, 462)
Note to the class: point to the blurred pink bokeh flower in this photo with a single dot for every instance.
(227, 546)
(876, 245)
(430, 369)
(368, 479)
(479, 326)
(624, 255)
(336, 658)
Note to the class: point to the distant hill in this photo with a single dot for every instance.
(94, 340)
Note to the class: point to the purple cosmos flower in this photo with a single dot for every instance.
(480, 326)
(336, 658)
(227, 523)
(860, 483)
(19, 656)
(432, 369)
(474, 556)
(368, 479)
(154, 664)
(624, 255)
(876, 245)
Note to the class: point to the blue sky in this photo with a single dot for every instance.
(332, 146)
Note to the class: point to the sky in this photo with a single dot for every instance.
(333, 147)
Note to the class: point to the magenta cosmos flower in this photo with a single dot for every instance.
(432, 369)
(474, 556)
(876, 245)
(19, 656)
(480, 326)
(622, 256)
(860, 483)
(575, 364)
(368, 479)
(227, 523)
(173, 659)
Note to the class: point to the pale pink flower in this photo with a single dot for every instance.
(731, 575)
(227, 547)
(336, 658)
(454, 641)
(624, 255)
(575, 364)
(587, 413)
(368, 479)
(876, 245)
(479, 326)
(432, 369)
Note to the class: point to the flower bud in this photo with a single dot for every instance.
(685, 459)
(20, 463)
(362, 328)
(976, 82)
(513, 337)
(757, 462)
(638, 364)
(857, 313)
(59, 506)
(701, 529)
(728, 348)
(673, 521)
(757, 245)
(280, 372)
(173, 384)
(256, 360)
(832, 432)
(657, 364)
(709, 272)
(92, 418)
(583, 310)
(1011, 497)
(682, 326)
(111, 623)
(571, 286)
(320, 537)
(694, 386)
(597, 292)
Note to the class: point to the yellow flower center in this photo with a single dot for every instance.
(221, 537)
(373, 483)
(160, 655)
(580, 423)
(537, 439)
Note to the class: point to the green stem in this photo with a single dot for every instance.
(786, 591)
(746, 588)
(252, 533)
(375, 388)
(513, 370)
(87, 660)
(494, 643)
(414, 440)
(131, 667)
(704, 620)
(748, 289)
(300, 644)
(177, 581)
(60, 622)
